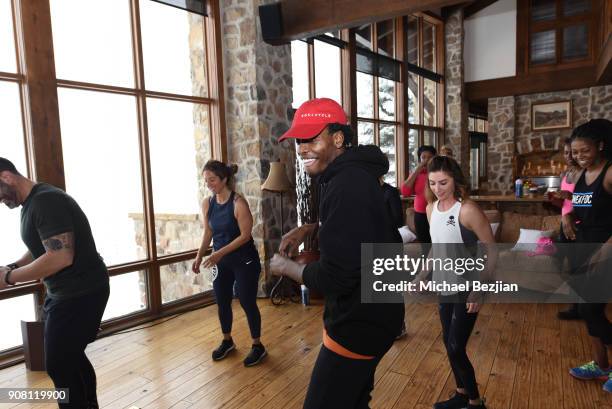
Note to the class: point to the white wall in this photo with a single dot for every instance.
(490, 42)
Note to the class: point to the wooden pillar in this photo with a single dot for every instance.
(38, 66)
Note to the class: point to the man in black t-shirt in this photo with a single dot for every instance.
(62, 253)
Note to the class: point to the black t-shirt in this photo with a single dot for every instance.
(47, 212)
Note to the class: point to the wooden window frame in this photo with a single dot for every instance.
(37, 78)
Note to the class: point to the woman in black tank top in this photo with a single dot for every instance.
(592, 209)
(228, 223)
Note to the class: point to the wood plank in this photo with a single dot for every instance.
(546, 374)
(301, 19)
(562, 80)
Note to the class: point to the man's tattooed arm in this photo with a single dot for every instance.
(64, 241)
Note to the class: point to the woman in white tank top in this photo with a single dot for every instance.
(453, 218)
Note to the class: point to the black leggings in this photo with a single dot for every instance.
(245, 272)
(70, 325)
(457, 326)
(597, 323)
(421, 225)
(340, 382)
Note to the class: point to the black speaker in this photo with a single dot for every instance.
(270, 18)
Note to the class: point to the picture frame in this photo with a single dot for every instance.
(551, 115)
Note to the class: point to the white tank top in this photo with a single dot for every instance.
(444, 226)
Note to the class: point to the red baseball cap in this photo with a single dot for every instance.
(312, 116)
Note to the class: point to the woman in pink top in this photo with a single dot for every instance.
(415, 185)
(563, 199)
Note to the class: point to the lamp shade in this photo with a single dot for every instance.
(277, 180)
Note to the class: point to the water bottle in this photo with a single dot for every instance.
(518, 187)
(305, 295)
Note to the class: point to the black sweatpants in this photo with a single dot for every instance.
(421, 225)
(70, 325)
(457, 326)
(244, 271)
(340, 382)
(597, 323)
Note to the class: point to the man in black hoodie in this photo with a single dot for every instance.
(352, 211)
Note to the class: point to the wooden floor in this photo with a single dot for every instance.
(521, 354)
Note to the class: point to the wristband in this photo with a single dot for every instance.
(7, 275)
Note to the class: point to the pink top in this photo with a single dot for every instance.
(420, 203)
(567, 204)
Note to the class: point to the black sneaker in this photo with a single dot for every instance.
(570, 314)
(227, 346)
(459, 401)
(256, 355)
(481, 405)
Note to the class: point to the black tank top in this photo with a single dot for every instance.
(225, 226)
(592, 206)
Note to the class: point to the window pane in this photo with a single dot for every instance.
(413, 147)
(12, 311)
(387, 145)
(574, 7)
(334, 34)
(542, 10)
(178, 281)
(471, 126)
(365, 95)
(480, 125)
(87, 46)
(543, 47)
(7, 40)
(385, 33)
(365, 133)
(429, 138)
(429, 46)
(328, 82)
(128, 294)
(429, 103)
(179, 146)
(412, 40)
(299, 70)
(13, 149)
(181, 41)
(102, 169)
(363, 36)
(386, 99)
(575, 42)
(413, 99)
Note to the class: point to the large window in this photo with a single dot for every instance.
(377, 119)
(316, 69)
(135, 134)
(423, 39)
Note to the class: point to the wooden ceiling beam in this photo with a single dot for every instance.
(302, 19)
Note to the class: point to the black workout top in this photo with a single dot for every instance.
(592, 206)
(224, 225)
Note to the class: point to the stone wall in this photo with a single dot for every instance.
(500, 145)
(258, 96)
(456, 112)
(510, 128)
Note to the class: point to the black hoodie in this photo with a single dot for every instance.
(352, 211)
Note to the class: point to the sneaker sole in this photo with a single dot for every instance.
(225, 354)
(265, 354)
(583, 378)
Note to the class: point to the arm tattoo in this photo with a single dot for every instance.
(59, 242)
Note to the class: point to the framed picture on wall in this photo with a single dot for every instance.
(551, 115)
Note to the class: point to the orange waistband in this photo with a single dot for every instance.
(339, 349)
